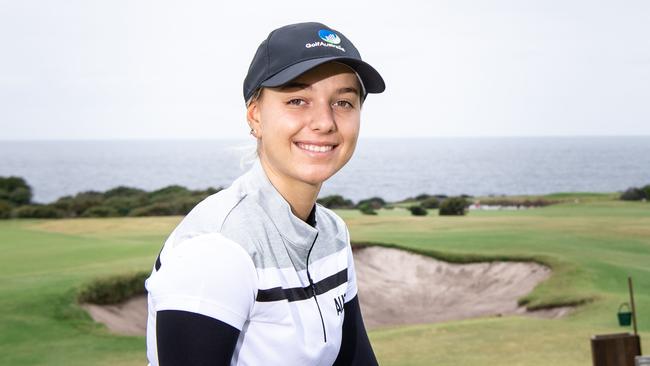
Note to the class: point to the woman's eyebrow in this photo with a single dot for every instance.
(348, 90)
(295, 85)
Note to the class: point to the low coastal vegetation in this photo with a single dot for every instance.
(16, 202)
(16, 195)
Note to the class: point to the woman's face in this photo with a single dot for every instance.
(307, 129)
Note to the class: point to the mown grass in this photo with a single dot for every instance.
(592, 244)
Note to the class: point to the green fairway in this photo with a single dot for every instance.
(592, 242)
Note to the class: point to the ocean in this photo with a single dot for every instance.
(390, 168)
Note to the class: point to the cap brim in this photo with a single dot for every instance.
(372, 81)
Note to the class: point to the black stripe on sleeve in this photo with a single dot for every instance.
(190, 339)
(303, 293)
(355, 345)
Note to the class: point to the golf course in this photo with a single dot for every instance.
(591, 241)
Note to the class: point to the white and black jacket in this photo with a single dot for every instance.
(243, 281)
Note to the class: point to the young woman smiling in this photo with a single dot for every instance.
(259, 273)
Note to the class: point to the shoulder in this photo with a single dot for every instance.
(206, 255)
(208, 215)
(207, 274)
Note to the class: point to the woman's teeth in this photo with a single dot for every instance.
(315, 148)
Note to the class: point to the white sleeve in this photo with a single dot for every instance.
(351, 291)
(207, 274)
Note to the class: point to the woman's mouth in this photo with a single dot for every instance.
(319, 149)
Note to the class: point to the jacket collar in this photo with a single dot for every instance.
(299, 233)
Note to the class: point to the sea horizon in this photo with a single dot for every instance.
(392, 168)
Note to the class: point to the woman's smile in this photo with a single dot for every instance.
(316, 150)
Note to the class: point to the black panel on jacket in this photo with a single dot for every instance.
(355, 345)
(190, 339)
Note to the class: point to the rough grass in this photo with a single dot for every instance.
(592, 245)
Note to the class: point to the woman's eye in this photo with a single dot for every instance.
(344, 104)
(295, 101)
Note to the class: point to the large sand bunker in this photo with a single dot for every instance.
(399, 287)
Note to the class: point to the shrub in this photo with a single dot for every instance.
(430, 202)
(646, 190)
(165, 193)
(114, 289)
(15, 190)
(366, 209)
(155, 209)
(100, 211)
(374, 202)
(207, 192)
(422, 196)
(5, 209)
(633, 194)
(175, 206)
(335, 201)
(123, 191)
(38, 212)
(77, 205)
(124, 204)
(417, 210)
(454, 206)
(518, 202)
(20, 196)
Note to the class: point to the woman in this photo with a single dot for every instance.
(259, 274)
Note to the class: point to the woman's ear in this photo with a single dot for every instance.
(253, 117)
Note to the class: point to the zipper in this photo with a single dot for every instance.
(313, 289)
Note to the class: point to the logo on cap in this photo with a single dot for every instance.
(329, 36)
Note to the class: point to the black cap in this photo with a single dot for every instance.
(291, 50)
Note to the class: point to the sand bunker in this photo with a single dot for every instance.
(399, 287)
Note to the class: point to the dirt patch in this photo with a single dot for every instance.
(398, 287)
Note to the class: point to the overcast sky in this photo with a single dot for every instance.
(130, 69)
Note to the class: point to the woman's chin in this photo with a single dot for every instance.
(316, 175)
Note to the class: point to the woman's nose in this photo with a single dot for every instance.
(322, 117)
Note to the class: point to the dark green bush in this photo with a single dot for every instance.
(124, 204)
(366, 209)
(646, 190)
(20, 196)
(5, 209)
(164, 193)
(15, 190)
(123, 191)
(430, 202)
(100, 211)
(114, 289)
(335, 201)
(207, 192)
(422, 196)
(454, 206)
(77, 205)
(38, 212)
(155, 209)
(375, 202)
(417, 210)
(518, 202)
(175, 206)
(634, 194)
